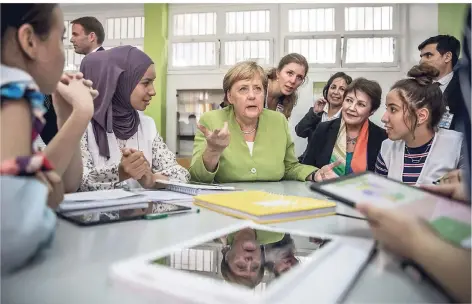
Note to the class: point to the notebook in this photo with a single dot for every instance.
(194, 188)
(263, 207)
(118, 197)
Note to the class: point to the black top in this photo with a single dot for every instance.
(307, 126)
(50, 128)
(322, 141)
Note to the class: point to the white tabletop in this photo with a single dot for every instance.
(75, 269)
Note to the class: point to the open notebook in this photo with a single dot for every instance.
(194, 188)
(263, 207)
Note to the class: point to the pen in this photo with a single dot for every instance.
(156, 216)
(436, 182)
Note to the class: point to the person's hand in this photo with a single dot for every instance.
(327, 172)
(55, 187)
(133, 164)
(454, 191)
(452, 177)
(73, 92)
(396, 230)
(319, 105)
(217, 140)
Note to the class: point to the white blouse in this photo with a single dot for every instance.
(101, 173)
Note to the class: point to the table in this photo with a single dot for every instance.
(75, 269)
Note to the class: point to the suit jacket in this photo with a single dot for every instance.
(307, 126)
(273, 157)
(454, 99)
(50, 128)
(322, 143)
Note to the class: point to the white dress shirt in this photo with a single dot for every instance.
(444, 81)
(325, 117)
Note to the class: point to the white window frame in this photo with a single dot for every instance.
(220, 36)
(340, 32)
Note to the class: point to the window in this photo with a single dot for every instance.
(236, 51)
(368, 18)
(198, 24)
(72, 59)
(343, 35)
(248, 22)
(125, 28)
(220, 37)
(315, 50)
(185, 51)
(193, 54)
(378, 47)
(311, 20)
(369, 50)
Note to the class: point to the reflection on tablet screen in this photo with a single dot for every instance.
(121, 213)
(248, 257)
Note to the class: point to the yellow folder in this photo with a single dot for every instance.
(263, 207)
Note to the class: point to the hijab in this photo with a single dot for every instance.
(115, 74)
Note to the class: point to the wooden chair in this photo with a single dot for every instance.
(184, 162)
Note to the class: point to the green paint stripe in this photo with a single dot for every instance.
(155, 45)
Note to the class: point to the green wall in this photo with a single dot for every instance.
(155, 45)
(451, 18)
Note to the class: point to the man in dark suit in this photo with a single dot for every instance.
(442, 52)
(87, 37)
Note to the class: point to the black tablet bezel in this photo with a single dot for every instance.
(125, 219)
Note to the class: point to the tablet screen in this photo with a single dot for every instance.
(247, 257)
(373, 188)
(450, 218)
(120, 213)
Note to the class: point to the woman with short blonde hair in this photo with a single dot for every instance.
(244, 141)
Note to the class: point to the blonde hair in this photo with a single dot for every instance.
(244, 70)
(291, 100)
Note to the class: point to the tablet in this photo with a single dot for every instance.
(249, 263)
(98, 216)
(451, 218)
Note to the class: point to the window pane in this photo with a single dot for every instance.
(124, 28)
(193, 54)
(117, 28)
(194, 18)
(370, 50)
(236, 51)
(131, 28)
(248, 22)
(315, 50)
(142, 27)
(311, 20)
(368, 18)
(110, 28)
(201, 24)
(194, 24)
(137, 27)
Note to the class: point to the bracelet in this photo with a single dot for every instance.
(25, 165)
(312, 175)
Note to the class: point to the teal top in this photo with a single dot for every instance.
(273, 156)
(348, 162)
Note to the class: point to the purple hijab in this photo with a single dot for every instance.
(115, 73)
